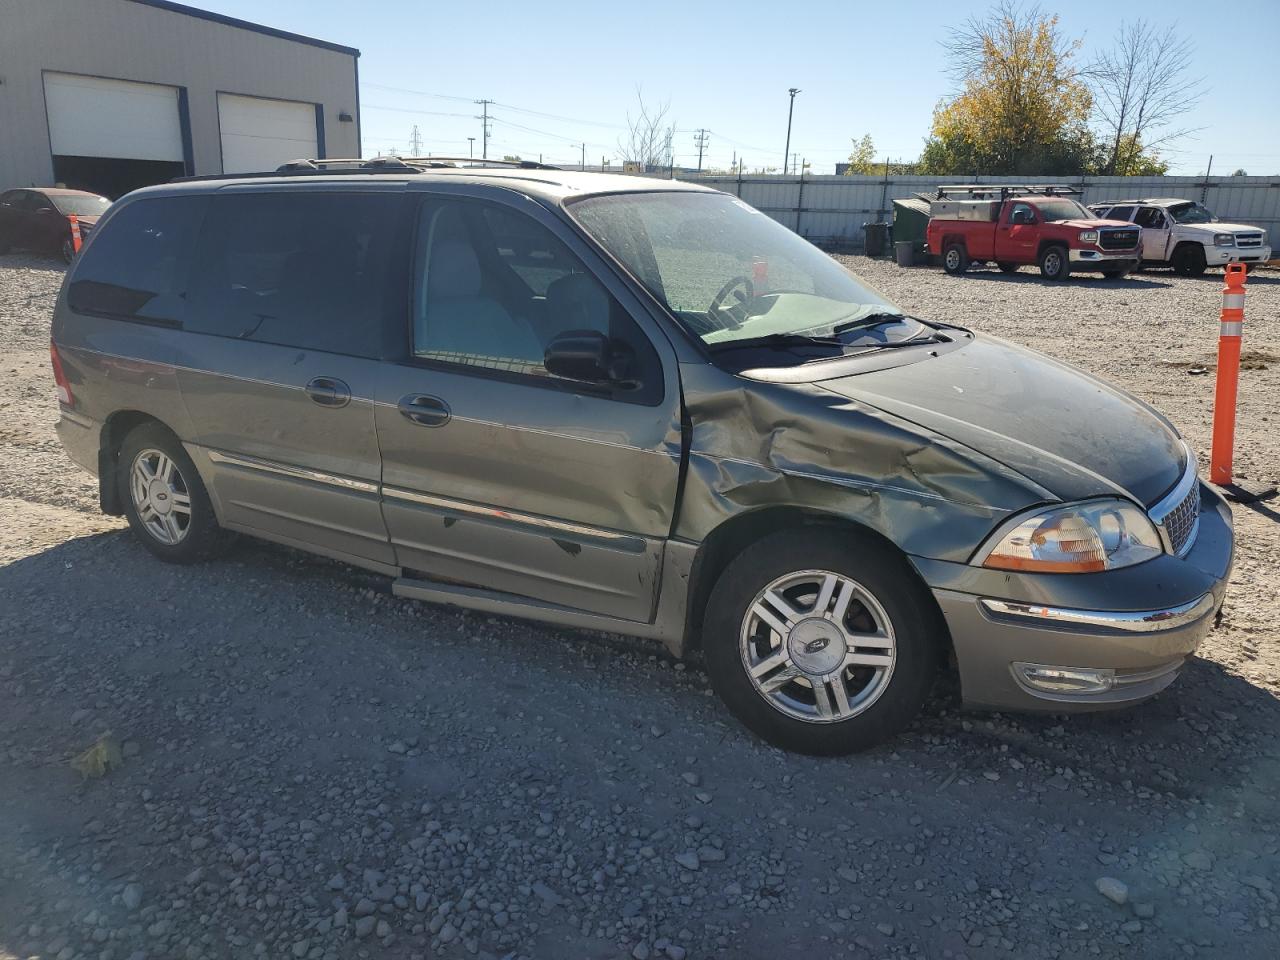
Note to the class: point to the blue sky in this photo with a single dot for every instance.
(566, 72)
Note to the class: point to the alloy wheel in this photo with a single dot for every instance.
(160, 496)
(818, 646)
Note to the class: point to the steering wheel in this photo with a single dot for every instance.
(719, 303)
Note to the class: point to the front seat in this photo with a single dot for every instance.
(459, 321)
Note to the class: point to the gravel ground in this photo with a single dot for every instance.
(310, 768)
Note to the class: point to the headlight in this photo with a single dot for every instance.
(1078, 538)
(1088, 236)
(1224, 239)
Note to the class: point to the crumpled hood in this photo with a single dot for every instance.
(1061, 428)
(1217, 227)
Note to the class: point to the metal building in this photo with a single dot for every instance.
(110, 95)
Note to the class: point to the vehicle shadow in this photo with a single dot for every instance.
(1131, 282)
(33, 261)
(302, 668)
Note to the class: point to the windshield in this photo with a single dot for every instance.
(1060, 209)
(731, 274)
(81, 206)
(1191, 213)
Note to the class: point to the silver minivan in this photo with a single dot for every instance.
(635, 406)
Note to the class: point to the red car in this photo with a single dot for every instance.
(1014, 226)
(36, 218)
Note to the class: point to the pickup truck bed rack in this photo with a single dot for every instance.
(996, 191)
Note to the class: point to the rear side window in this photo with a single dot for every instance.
(305, 270)
(135, 269)
(1120, 213)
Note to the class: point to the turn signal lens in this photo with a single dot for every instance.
(1081, 538)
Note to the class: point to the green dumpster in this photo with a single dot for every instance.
(910, 221)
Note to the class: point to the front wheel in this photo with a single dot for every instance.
(821, 643)
(1189, 261)
(164, 499)
(68, 251)
(955, 258)
(1054, 264)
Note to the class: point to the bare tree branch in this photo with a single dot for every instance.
(649, 136)
(1141, 87)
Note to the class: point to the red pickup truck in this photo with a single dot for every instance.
(1018, 226)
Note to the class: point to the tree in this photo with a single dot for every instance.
(649, 135)
(1141, 87)
(1023, 106)
(511, 157)
(863, 158)
(1240, 172)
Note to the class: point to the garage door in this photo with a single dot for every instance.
(92, 117)
(260, 134)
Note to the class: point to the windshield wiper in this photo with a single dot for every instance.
(777, 341)
(871, 320)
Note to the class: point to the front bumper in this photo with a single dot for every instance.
(1109, 258)
(1133, 628)
(1216, 256)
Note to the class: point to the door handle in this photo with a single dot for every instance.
(424, 410)
(328, 392)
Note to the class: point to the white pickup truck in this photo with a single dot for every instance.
(1184, 235)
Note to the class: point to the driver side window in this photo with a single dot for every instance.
(1150, 218)
(494, 288)
(1022, 213)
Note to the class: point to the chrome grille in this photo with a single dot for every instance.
(1180, 523)
(1248, 239)
(1118, 239)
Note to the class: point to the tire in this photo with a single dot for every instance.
(68, 251)
(155, 511)
(1115, 274)
(1054, 264)
(955, 258)
(1008, 267)
(878, 696)
(1188, 260)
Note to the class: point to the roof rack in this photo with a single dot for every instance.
(477, 162)
(328, 166)
(985, 191)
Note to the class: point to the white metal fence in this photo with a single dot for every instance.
(833, 209)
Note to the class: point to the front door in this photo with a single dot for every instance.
(496, 472)
(1016, 236)
(1155, 233)
(287, 320)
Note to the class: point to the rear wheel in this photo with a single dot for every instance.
(68, 251)
(955, 258)
(1188, 260)
(1006, 267)
(1054, 264)
(821, 643)
(164, 499)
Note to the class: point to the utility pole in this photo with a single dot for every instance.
(484, 117)
(790, 110)
(794, 166)
(471, 147)
(701, 138)
(584, 156)
(415, 143)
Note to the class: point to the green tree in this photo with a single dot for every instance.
(1023, 106)
(862, 159)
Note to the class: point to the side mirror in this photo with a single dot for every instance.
(579, 355)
